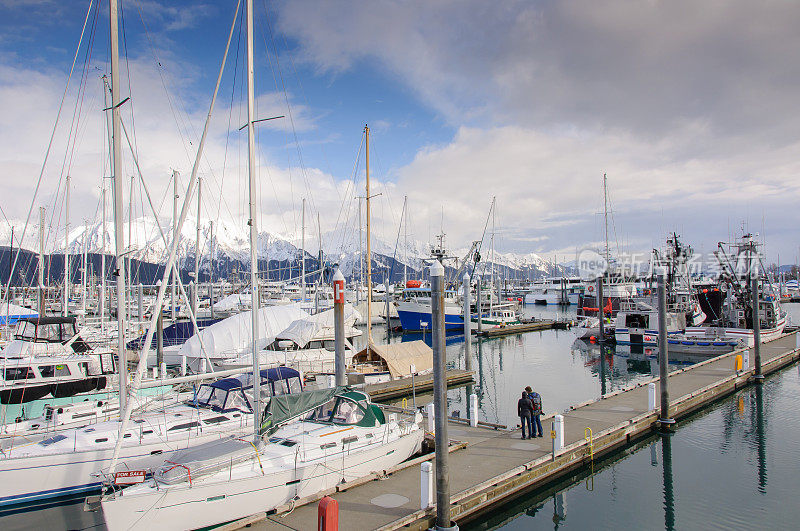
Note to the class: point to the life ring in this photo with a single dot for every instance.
(591, 288)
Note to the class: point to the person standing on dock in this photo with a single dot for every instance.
(536, 401)
(525, 412)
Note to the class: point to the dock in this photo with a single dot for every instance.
(489, 466)
(534, 326)
(403, 387)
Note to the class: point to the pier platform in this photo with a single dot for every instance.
(545, 324)
(403, 387)
(489, 466)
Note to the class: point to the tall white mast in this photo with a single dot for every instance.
(195, 297)
(103, 265)
(116, 158)
(303, 253)
(65, 307)
(491, 292)
(369, 249)
(251, 157)
(405, 241)
(84, 277)
(41, 263)
(174, 236)
(605, 214)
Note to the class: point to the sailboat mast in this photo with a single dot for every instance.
(303, 253)
(119, 236)
(251, 159)
(369, 248)
(65, 307)
(360, 252)
(41, 263)
(405, 241)
(195, 291)
(175, 238)
(103, 265)
(605, 213)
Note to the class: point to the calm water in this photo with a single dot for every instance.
(565, 372)
(732, 467)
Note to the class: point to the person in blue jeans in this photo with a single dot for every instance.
(536, 401)
(525, 412)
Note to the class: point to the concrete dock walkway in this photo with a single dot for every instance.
(496, 464)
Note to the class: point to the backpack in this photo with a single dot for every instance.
(537, 403)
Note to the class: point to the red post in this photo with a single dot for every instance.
(328, 514)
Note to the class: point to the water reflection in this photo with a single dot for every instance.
(668, 485)
(712, 472)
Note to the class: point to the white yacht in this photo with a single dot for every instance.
(340, 438)
(68, 462)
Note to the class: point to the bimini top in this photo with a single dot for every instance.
(267, 375)
(53, 319)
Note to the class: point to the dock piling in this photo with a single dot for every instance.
(651, 396)
(425, 485)
(601, 314)
(479, 304)
(338, 330)
(663, 350)
(756, 325)
(557, 434)
(439, 397)
(473, 410)
(467, 324)
(430, 415)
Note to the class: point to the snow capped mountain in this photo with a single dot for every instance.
(231, 241)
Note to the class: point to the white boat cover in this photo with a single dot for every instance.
(399, 357)
(231, 302)
(317, 326)
(233, 335)
(15, 313)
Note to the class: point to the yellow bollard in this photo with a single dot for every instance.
(737, 363)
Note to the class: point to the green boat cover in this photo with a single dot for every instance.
(286, 407)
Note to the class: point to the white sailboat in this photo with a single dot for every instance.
(344, 437)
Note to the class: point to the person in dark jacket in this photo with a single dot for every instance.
(525, 412)
(536, 401)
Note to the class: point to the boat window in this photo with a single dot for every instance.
(25, 330)
(49, 371)
(147, 432)
(236, 400)
(323, 413)
(184, 426)
(216, 420)
(329, 345)
(52, 440)
(212, 397)
(347, 412)
(295, 386)
(101, 440)
(280, 387)
(48, 332)
(19, 373)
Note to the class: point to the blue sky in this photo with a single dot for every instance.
(690, 109)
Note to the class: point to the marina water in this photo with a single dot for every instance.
(712, 456)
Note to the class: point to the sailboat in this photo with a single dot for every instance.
(342, 435)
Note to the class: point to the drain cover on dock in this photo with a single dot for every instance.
(389, 501)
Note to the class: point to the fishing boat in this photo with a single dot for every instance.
(733, 320)
(498, 316)
(414, 310)
(340, 436)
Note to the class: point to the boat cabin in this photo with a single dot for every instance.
(230, 394)
(50, 330)
(348, 408)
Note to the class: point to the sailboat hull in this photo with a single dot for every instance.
(204, 504)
